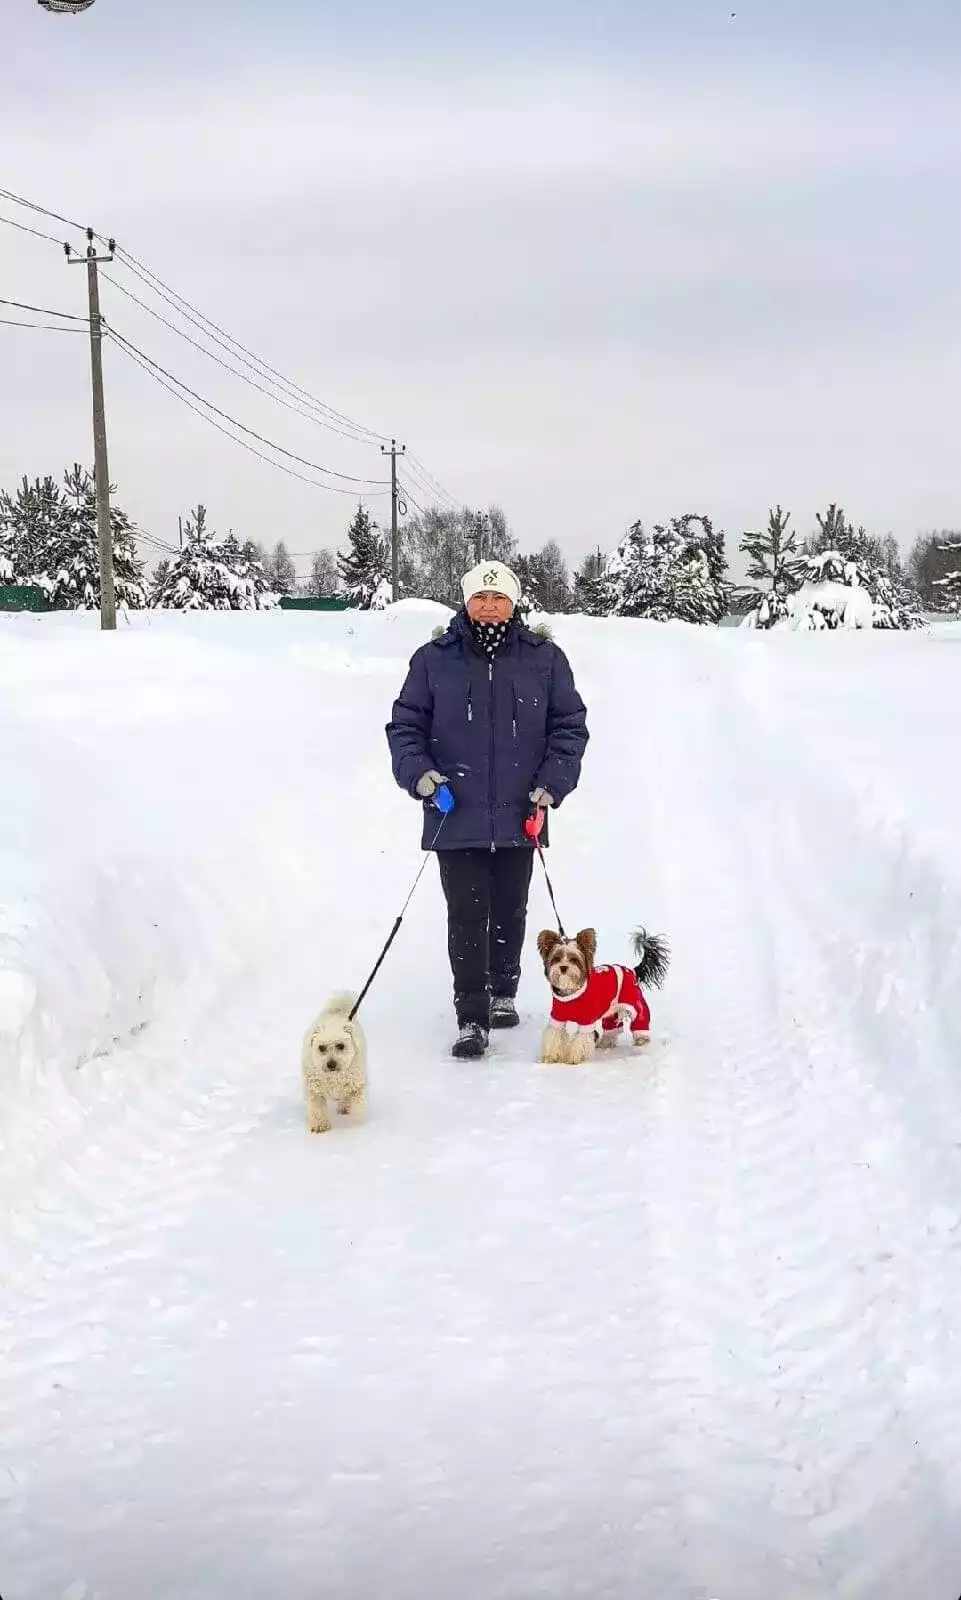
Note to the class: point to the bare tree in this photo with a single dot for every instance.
(324, 579)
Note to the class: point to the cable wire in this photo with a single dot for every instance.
(43, 311)
(31, 205)
(129, 350)
(35, 231)
(237, 372)
(235, 348)
(47, 327)
(438, 488)
(406, 495)
(304, 461)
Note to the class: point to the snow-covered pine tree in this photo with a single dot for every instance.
(211, 574)
(697, 586)
(588, 596)
(675, 570)
(324, 579)
(76, 580)
(49, 537)
(281, 570)
(842, 558)
(950, 584)
(545, 581)
(365, 565)
(553, 579)
(934, 557)
(30, 524)
(635, 577)
(775, 562)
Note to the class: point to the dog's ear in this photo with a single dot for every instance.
(547, 943)
(586, 942)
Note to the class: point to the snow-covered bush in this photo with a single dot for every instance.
(842, 593)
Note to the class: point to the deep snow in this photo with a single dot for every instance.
(666, 1328)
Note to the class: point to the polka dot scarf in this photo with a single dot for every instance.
(489, 636)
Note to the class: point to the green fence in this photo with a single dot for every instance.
(24, 597)
(290, 602)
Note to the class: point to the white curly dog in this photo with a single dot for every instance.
(334, 1064)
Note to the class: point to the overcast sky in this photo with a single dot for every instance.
(592, 259)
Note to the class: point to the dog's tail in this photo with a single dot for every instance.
(340, 1005)
(653, 958)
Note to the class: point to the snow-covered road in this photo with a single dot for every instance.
(668, 1328)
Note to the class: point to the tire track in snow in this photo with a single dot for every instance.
(785, 1306)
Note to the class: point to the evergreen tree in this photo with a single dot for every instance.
(50, 538)
(554, 579)
(77, 580)
(932, 559)
(544, 579)
(697, 586)
(281, 570)
(254, 552)
(842, 557)
(635, 578)
(673, 571)
(950, 584)
(588, 597)
(365, 564)
(30, 523)
(776, 561)
(324, 580)
(211, 574)
(838, 591)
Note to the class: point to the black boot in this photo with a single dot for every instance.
(471, 1043)
(504, 1012)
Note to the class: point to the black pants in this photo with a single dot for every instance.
(486, 893)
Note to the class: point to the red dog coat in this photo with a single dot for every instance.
(610, 995)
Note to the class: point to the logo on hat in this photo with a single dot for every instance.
(490, 577)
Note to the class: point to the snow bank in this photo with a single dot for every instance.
(413, 607)
(154, 825)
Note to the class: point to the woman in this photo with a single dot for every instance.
(490, 709)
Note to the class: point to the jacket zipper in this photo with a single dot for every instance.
(490, 679)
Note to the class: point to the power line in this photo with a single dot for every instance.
(47, 327)
(328, 416)
(218, 335)
(22, 226)
(432, 481)
(236, 372)
(44, 311)
(407, 496)
(31, 205)
(148, 368)
(303, 461)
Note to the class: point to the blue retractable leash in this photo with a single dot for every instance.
(444, 802)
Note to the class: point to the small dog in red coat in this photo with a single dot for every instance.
(592, 1003)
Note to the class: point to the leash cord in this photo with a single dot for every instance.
(396, 928)
(550, 888)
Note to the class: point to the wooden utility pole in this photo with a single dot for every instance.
(393, 452)
(101, 471)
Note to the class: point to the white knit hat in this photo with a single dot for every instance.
(491, 577)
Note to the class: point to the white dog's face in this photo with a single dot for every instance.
(333, 1055)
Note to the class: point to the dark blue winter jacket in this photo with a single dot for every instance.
(496, 730)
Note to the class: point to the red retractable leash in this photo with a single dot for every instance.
(534, 827)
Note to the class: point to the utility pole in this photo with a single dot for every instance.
(101, 472)
(393, 452)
